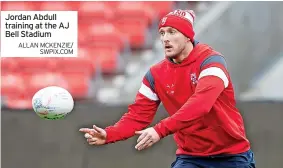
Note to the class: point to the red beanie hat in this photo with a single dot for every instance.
(182, 20)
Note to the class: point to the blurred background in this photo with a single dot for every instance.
(118, 42)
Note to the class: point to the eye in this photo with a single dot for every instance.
(161, 33)
(172, 32)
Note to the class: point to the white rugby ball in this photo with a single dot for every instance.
(52, 103)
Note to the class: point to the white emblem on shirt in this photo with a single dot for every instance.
(194, 78)
(170, 89)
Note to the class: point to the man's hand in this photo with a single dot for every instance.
(147, 138)
(95, 136)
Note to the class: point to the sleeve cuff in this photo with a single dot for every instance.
(160, 129)
(109, 136)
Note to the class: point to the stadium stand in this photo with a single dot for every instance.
(110, 36)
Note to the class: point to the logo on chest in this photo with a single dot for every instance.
(194, 78)
(170, 89)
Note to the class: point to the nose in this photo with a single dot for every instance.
(165, 38)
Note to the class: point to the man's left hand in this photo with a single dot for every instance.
(147, 138)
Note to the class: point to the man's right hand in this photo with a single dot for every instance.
(95, 136)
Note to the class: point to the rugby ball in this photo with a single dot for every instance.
(52, 103)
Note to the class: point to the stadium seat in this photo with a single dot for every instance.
(112, 4)
(20, 102)
(132, 19)
(83, 53)
(37, 81)
(35, 64)
(161, 8)
(75, 65)
(59, 6)
(105, 34)
(20, 6)
(133, 29)
(9, 65)
(106, 57)
(136, 10)
(78, 84)
(94, 11)
(14, 91)
(83, 38)
(12, 84)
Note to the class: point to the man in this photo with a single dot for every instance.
(195, 88)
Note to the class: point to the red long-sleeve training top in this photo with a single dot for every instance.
(198, 95)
